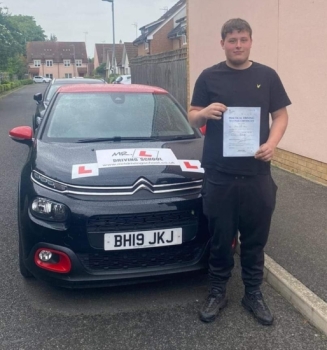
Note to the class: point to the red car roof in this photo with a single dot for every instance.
(133, 88)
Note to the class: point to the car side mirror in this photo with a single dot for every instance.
(38, 97)
(22, 134)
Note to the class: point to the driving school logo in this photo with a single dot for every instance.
(135, 157)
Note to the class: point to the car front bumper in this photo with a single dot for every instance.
(83, 241)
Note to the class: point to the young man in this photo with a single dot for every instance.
(238, 191)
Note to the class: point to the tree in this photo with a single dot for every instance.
(17, 66)
(15, 32)
(101, 70)
(52, 38)
(27, 28)
(9, 46)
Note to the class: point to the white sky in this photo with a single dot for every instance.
(70, 19)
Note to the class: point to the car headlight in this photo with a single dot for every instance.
(46, 209)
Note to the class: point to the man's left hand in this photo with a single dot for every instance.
(265, 152)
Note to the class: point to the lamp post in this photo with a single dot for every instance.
(74, 66)
(113, 35)
(135, 25)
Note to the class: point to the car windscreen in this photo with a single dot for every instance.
(105, 115)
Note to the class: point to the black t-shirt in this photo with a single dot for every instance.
(256, 86)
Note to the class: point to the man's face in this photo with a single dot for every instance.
(237, 46)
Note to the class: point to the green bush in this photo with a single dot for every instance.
(26, 81)
(9, 85)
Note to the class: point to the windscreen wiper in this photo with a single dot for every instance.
(117, 139)
(180, 137)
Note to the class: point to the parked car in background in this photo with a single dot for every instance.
(123, 79)
(42, 100)
(111, 190)
(40, 79)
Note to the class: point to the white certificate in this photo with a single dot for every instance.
(241, 131)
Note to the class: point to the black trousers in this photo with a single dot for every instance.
(235, 203)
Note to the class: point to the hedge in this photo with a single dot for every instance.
(6, 86)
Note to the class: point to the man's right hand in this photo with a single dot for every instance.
(213, 111)
(198, 116)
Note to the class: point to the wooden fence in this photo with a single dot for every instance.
(167, 70)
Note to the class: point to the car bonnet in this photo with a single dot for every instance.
(119, 164)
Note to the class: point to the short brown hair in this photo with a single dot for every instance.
(235, 24)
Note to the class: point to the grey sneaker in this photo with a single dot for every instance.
(255, 303)
(215, 301)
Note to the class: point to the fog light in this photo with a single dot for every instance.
(45, 255)
(52, 260)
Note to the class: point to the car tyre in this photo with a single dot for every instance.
(22, 268)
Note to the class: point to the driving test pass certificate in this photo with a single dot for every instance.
(241, 131)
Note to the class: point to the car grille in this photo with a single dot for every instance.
(192, 186)
(137, 222)
(143, 258)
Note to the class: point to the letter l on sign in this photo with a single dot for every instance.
(143, 154)
(82, 170)
(189, 166)
(85, 170)
(193, 165)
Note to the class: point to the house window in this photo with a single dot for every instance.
(146, 46)
(37, 63)
(49, 63)
(78, 63)
(66, 63)
(184, 41)
(49, 76)
(68, 75)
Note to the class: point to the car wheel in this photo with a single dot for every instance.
(22, 268)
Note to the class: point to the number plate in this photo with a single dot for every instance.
(144, 239)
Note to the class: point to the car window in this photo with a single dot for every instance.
(106, 115)
(53, 88)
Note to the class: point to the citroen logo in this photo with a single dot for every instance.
(258, 86)
(142, 183)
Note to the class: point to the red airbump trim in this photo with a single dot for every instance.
(62, 266)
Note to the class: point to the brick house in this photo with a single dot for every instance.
(104, 52)
(159, 36)
(56, 59)
(178, 34)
